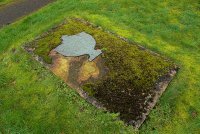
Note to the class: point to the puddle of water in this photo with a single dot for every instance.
(77, 45)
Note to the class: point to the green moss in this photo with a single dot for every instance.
(122, 58)
(88, 88)
(4, 2)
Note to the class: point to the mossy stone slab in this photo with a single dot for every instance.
(126, 78)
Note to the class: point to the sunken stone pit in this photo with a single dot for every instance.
(105, 69)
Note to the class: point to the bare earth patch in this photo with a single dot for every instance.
(125, 78)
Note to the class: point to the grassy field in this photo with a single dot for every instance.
(33, 100)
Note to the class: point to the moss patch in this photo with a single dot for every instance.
(134, 72)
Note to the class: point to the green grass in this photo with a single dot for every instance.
(4, 2)
(32, 100)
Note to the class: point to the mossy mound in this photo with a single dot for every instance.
(134, 72)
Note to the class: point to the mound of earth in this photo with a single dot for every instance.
(105, 69)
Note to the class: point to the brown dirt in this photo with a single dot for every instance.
(60, 65)
(76, 71)
(12, 12)
(88, 69)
